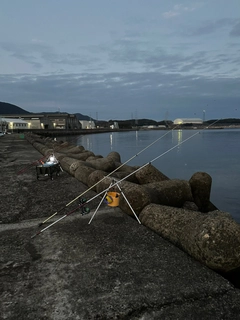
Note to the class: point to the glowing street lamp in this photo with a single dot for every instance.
(204, 112)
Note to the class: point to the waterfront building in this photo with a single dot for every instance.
(188, 121)
(43, 121)
(87, 124)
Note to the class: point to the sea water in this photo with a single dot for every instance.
(179, 154)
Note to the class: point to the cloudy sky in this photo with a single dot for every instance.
(122, 59)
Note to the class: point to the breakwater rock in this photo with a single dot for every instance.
(178, 210)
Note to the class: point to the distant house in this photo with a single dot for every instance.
(188, 121)
(13, 124)
(152, 126)
(115, 125)
(87, 124)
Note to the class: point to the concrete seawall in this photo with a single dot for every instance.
(113, 268)
(178, 210)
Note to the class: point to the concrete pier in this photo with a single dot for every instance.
(112, 268)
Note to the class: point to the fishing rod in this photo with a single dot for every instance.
(137, 154)
(81, 205)
(31, 164)
(119, 181)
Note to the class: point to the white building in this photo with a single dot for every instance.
(14, 124)
(115, 125)
(43, 121)
(87, 124)
(188, 120)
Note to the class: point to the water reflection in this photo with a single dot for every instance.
(86, 142)
(179, 136)
(136, 135)
(111, 141)
(89, 144)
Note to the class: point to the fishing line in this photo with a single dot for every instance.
(112, 185)
(137, 154)
(119, 181)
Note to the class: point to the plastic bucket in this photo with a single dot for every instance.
(112, 199)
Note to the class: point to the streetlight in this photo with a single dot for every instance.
(204, 115)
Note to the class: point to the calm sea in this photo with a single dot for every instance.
(179, 154)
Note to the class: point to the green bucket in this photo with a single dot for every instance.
(21, 136)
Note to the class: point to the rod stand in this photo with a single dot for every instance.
(114, 182)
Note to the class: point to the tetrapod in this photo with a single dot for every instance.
(114, 201)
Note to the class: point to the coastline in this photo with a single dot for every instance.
(63, 132)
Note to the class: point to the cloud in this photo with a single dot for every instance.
(27, 52)
(178, 10)
(37, 54)
(35, 40)
(211, 26)
(235, 32)
(170, 14)
(147, 57)
(117, 95)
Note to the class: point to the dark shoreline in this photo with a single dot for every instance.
(61, 132)
(70, 132)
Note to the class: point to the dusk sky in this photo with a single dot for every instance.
(122, 59)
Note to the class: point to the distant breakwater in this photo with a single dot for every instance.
(62, 132)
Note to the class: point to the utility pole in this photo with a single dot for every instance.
(136, 118)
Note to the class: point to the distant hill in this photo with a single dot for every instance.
(8, 108)
(83, 117)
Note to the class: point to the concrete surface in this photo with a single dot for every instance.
(113, 268)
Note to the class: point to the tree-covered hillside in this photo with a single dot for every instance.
(8, 108)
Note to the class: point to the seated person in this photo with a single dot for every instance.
(51, 160)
